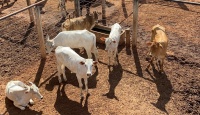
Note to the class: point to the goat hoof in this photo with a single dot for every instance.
(59, 81)
(22, 108)
(161, 72)
(81, 96)
(88, 94)
(31, 102)
(65, 79)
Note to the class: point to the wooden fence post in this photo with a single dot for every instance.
(103, 12)
(77, 7)
(135, 24)
(40, 31)
(31, 14)
(127, 37)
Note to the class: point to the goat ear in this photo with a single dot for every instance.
(26, 90)
(149, 44)
(160, 45)
(52, 45)
(95, 62)
(31, 83)
(82, 62)
(102, 39)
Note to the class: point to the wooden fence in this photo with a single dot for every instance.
(34, 18)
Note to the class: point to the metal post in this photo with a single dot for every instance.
(30, 10)
(77, 7)
(40, 31)
(104, 12)
(135, 24)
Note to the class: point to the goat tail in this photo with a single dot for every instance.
(94, 48)
(94, 41)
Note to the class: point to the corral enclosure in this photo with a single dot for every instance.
(128, 88)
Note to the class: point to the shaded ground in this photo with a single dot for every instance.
(127, 88)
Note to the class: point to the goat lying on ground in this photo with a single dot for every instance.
(21, 94)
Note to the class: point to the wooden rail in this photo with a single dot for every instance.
(23, 9)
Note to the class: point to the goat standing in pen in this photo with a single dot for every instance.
(74, 39)
(158, 45)
(66, 57)
(112, 42)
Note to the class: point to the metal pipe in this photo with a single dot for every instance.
(194, 3)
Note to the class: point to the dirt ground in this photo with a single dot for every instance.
(127, 88)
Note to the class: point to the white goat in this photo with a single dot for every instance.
(21, 94)
(112, 42)
(74, 39)
(65, 56)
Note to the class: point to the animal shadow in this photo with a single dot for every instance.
(102, 46)
(12, 110)
(115, 75)
(52, 82)
(92, 81)
(164, 88)
(65, 106)
(7, 4)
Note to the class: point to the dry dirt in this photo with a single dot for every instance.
(128, 88)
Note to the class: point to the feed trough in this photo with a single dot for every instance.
(104, 31)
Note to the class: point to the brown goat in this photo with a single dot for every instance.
(80, 23)
(158, 45)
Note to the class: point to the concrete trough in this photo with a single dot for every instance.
(104, 31)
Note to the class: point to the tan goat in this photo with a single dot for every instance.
(158, 45)
(80, 23)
